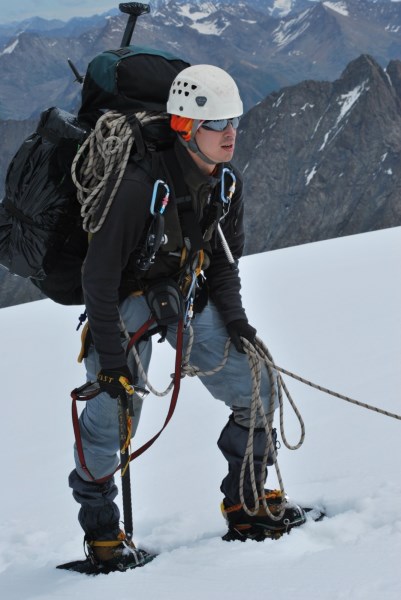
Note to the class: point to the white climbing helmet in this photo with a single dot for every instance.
(204, 92)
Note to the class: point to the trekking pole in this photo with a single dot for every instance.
(134, 10)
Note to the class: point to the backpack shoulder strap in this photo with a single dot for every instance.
(170, 167)
(190, 225)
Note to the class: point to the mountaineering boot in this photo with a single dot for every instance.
(241, 526)
(233, 442)
(115, 555)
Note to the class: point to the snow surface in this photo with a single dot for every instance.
(10, 49)
(204, 11)
(348, 100)
(199, 18)
(346, 103)
(290, 30)
(340, 7)
(282, 7)
(213, 27)
(393, 28)
(310, 175)
(329, 311)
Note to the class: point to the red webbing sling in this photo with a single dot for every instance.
(173, 403)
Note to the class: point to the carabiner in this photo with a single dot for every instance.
(165, 199)
(227, 199)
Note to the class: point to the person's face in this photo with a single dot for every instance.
(219, 146)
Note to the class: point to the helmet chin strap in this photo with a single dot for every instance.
(193, 146)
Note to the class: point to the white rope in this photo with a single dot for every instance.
(257, 357)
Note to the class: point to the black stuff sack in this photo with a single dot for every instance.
(39, 212)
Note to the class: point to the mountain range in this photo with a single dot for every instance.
(321, 154)
(262, 51)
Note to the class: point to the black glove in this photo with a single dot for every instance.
(238, 329)
(109, 380)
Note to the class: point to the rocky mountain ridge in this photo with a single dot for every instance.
(322, 159)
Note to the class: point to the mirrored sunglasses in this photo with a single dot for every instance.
(220, 124)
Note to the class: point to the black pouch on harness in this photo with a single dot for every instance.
(166, 302)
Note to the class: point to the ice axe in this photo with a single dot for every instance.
(124, 428)
(134, 10)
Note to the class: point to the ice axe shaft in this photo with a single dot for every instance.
(134, 10)
(124, 420)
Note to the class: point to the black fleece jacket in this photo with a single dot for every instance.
(112, 247)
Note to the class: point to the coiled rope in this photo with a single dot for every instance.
(104, 154)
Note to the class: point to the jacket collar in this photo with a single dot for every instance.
(193, 176)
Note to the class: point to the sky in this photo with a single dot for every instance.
(329, 311)
(52, 9)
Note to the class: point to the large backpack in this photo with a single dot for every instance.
(41, 234)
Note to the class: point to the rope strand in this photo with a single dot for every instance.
(326, 390)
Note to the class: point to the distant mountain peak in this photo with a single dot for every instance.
(365, 68)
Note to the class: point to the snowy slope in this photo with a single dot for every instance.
(329, 311)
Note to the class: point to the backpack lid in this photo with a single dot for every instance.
(129, 79)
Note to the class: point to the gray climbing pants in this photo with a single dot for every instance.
(99, 516)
